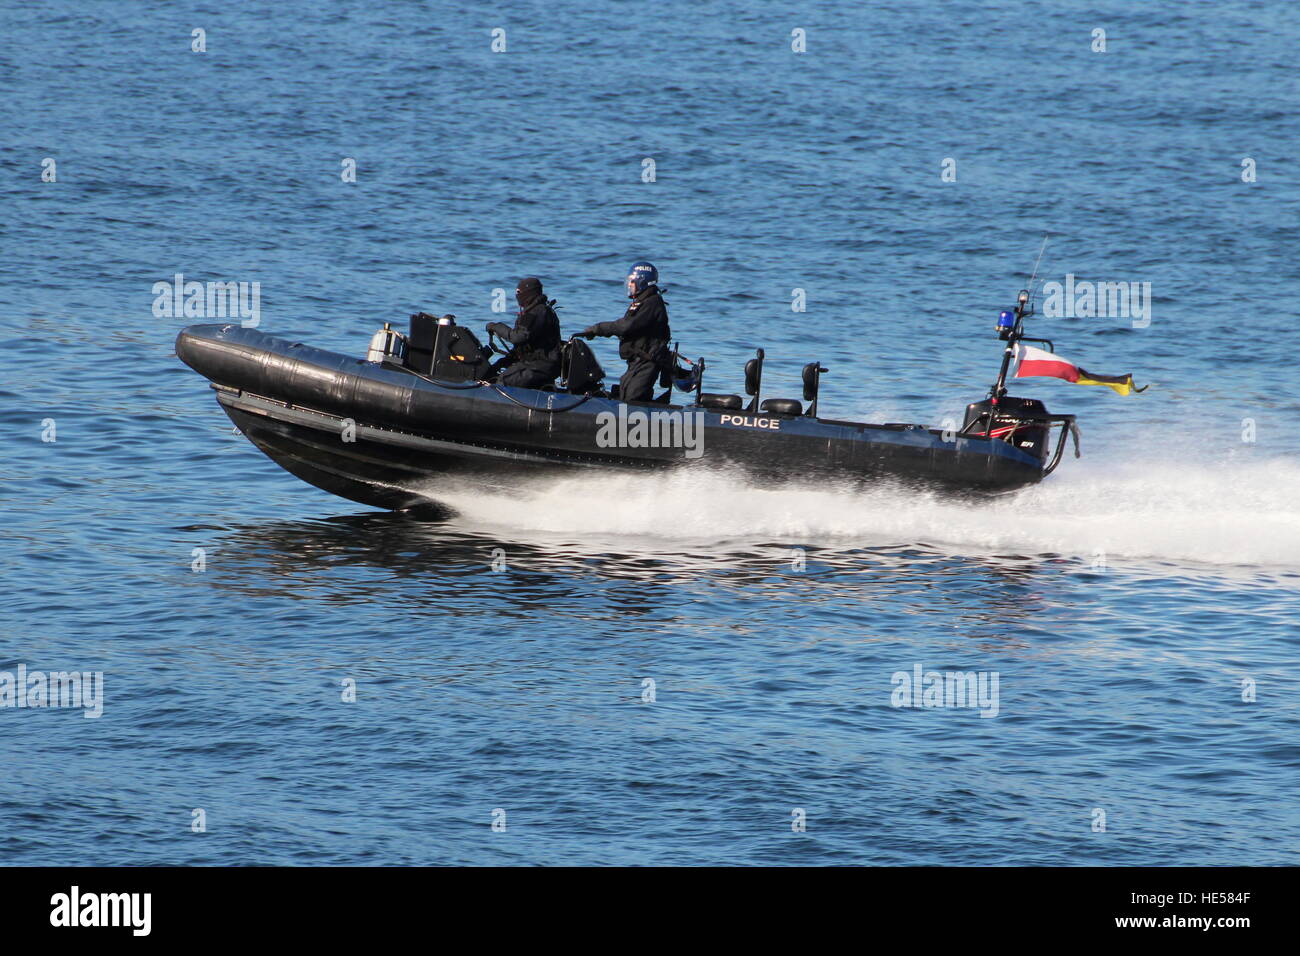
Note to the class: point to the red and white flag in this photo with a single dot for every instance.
(1031, 362)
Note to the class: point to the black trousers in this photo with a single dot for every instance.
(526, 376)
(638, 382)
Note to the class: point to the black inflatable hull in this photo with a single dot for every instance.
(385, 437)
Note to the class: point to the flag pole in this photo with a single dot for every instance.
(1013, 336)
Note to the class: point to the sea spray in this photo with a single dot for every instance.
(1243, 513)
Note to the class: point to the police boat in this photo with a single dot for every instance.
(421, 409)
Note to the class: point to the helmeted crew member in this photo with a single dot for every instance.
(535, 359)
(643, 334)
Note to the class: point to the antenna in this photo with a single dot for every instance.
(1010, 330)
(1034, 275)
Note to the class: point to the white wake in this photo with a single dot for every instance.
(1230, 512)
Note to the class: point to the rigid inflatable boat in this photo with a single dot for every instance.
(421, 409)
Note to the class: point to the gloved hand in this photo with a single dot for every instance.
(498, 328)
(589, 332)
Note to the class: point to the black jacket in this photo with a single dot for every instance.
(536, 337)
(643, 331)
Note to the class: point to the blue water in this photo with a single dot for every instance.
(1127, 605)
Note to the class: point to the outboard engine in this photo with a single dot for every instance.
(1022, 422)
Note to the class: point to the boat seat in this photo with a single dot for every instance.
(781, 406)
(419, 344)
(715, 400)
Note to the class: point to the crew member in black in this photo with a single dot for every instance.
(535, 359)
(643, 334)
